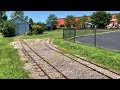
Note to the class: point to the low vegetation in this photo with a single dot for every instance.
(11, 66)
(36, 29)
(8, 29)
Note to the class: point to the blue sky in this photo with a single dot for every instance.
(42, 15)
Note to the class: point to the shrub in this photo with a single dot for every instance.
(0, 27)
(8, 29)
(43, 27)
(62, 25)
(54, 27)
(36, 29)
(29, 32)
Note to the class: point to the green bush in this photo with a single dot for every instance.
(62, 25)
(0, 27)
(8, 29)
(36, 29)
(29, 32)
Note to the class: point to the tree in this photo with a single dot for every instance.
(2, 13)
(81, 21)
(31, 21)
(51, 20)
(8, 29)
(42, 24)
(118, 18)
(70, 21)
(15, 13)
(26, 18)
(101, 19)
(4, 17)
(0, 16)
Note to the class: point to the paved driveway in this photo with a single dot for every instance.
(107, 40)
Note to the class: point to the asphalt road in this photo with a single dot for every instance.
(107, 40)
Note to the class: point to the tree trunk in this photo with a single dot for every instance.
(0, 16)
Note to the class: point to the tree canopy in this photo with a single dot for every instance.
(20, 13)
(118, 18)
(81, 21)
(26, 18)
(31, 21)
(101, 18)
(15, 13)
(70, 21)
(3, 15)
(51, 19)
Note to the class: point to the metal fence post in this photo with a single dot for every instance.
(63, 33)
(70, 32)
(94, 36)
(74, 34)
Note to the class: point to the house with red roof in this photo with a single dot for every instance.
(113, 22)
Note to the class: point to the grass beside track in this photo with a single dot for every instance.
(11, 67)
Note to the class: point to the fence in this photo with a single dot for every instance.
(106, 38)
(69, 34)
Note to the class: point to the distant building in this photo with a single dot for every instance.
(113, 22)
(49, 26)
(21, 25)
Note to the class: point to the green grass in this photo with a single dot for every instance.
(11, 67)
(100, 56)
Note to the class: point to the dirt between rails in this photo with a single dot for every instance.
(71, 69)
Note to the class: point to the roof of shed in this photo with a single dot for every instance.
(20, 18)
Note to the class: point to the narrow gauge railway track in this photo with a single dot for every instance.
(81, 59)
(22, 41)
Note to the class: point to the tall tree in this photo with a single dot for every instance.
(31, 21)
(15, 13)
(4, 17)
(70, 21)
(2, 13)
(51, 19)
(101, 18)
(118, 18)
(40, 23)
(0, 16)
(26, 18)
(81, 21)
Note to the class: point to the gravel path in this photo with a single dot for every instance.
(71, 69)
(68, 67)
